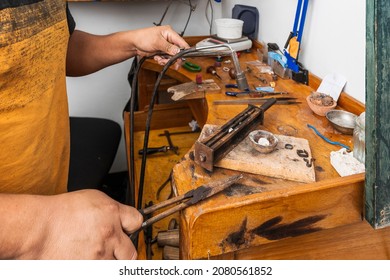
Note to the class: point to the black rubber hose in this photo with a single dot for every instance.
(149, 118)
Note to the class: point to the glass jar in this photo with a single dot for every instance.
(359, 135)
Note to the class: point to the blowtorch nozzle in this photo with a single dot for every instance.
(241, 80)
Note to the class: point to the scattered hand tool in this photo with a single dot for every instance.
(174, 148)
(267, 89)
(253, 93)
(154, 150)
(164, 149)
(187, 199)
(225, 138)
(182, 132)
(281, 101)
(149, 238)
(274, 47)
(231, 86)
(192, 67)
(232, 73)
(213, 71)
(163, 186)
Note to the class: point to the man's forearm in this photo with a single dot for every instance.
(88, 53)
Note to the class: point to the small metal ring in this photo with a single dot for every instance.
(302, 153)
(288, 146)
(226, 69)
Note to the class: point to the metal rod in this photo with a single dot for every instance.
(254, 101)
(230, 128)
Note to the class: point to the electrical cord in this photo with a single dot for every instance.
(149, 118)
(188, 19)
(210, 21)
(164, 14)
(150, 111)
(192, 9)
(131, 191)
(130, 199)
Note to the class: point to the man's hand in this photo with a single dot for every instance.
(84, 224)
(159, 39)
(88, 53)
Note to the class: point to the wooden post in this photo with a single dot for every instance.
(377, 187)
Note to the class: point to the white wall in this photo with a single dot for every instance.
(105, 93)
(333, 38)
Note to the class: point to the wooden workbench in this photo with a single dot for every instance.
(264, 210)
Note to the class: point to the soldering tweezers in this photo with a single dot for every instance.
(187, 199)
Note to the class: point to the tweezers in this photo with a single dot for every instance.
(254, 93)
(280, 100)
(187, 199)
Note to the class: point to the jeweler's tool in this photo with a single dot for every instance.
(185, 200)
(215, 146)
(154, 150)
(254, 93)
(279, 101)
(261, 91)
(173, 147)
(163, 149)
(192, 67)
(213, 71)
(181, 132)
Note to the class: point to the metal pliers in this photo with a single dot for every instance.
(188, 199)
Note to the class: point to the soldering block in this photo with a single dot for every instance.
(345, 163)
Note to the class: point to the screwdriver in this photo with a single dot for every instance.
(213, 71)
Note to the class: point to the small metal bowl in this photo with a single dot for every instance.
(263, 141)
(342, 121)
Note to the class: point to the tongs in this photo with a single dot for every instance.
(187, 199)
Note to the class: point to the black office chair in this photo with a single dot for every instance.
(93, 146)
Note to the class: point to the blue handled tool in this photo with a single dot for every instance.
(294, 39)
(231, 86)
(253, 93)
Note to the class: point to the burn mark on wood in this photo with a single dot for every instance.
(235, 239)
(208, 172)
(242, 190)
(192, 169)
(274, 230)
(258, 181)
(319, 169)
